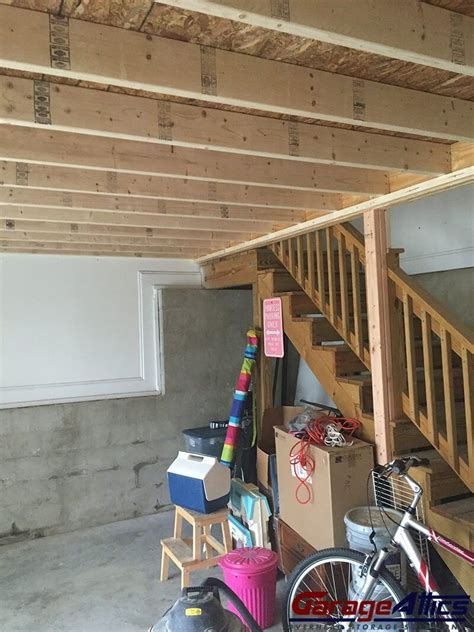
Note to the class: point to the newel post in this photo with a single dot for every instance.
(386, 379)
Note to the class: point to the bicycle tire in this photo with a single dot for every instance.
(354, 556)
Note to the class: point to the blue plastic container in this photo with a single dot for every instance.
(198, 482)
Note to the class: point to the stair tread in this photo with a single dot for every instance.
(459, 510)
(358, 380)
(437, 462)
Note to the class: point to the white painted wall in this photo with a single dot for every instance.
(75, 328)
(437, 232)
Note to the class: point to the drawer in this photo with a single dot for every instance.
(291, 547)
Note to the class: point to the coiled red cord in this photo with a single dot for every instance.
(314, 434)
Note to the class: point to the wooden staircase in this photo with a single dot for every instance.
(322, 284)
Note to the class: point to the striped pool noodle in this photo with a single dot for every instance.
(240, 395)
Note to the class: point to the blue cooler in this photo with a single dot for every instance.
(198, 482)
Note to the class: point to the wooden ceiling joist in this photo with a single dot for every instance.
(163, 234)
(234, 230)
(86, 238)
(61, 252)
(39, 198)
(435, 37)
(119, 57)
(408, 194)
(34, 247)
(121, 184)
(104, 114)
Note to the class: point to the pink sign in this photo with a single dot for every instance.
(273, 328)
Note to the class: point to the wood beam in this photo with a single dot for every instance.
(378, 314)
(408, 30)
(29, 197)
(27, 243)
(94, 52)
(123, 184)
(21, 226)
(462, 155)
(140, 243)
(264, 137)
(231, 271)
(430, 187)
(235, 230)
(93, 251)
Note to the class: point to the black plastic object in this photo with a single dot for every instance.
(199, 609)
(205, 440)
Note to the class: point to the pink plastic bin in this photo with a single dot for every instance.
(251, 573)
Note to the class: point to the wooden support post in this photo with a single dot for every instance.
(378, 311)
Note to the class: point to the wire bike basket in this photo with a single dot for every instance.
(394, 493)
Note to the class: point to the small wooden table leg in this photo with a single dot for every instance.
(184, 578)
(178, 524)
(165, 565)
(226, 537)
(207, 532)
(197, 546)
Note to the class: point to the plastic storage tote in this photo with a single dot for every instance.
(205, 440)
(252, 573)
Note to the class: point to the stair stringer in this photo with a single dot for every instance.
(347, 397)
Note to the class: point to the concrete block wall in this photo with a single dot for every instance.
(68, 466)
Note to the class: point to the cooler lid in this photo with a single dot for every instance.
(253, 560)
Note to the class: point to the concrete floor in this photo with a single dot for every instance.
(103, 578)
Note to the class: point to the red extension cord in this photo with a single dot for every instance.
(314, 434)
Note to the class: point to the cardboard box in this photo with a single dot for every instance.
(280, 416)
(338, 484)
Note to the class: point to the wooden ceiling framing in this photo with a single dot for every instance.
(195, 128)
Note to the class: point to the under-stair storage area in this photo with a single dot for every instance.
(236, 315)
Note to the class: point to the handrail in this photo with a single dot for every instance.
(434, 399)
(329, 264)
(441, 314)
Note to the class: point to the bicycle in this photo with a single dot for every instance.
(341, 589)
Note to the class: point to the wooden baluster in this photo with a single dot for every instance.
(343, 287)
(291, 256)
(468, 385)
(356, 302)
(320, 271)
(431, 412)
(282, 251)
(310, 260)
(448, 388)
(411, 359)
(331, 274)
(299, 259)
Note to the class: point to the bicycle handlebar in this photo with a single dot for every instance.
(401, 465)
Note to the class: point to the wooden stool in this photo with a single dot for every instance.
(187, 553)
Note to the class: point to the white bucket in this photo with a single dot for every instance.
(358, 529)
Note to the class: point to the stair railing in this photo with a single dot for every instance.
(330, 265)
(432, 350)
(437, 395)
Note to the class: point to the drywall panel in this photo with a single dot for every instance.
(81, 327)
(437, 232)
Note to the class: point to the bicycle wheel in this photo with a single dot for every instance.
(334, 575)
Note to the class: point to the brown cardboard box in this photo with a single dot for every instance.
(279, 416)
(338, 484)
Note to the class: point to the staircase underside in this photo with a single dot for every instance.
(345, 378)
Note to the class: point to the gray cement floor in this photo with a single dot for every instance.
(93, 580)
